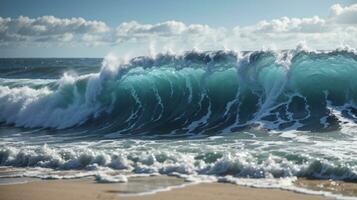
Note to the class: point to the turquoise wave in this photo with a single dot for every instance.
(197, 93)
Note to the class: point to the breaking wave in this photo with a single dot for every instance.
(138, 160)
(197, 93)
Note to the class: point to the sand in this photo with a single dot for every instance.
(87, 189)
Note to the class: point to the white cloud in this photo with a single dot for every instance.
(283, 33)
(47, 28)
(323, 33)
(134, 29)
(296, 25)
(129, 31)
(343, 15)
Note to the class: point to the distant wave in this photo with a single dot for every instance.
(194, 93)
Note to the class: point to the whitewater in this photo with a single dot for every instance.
(260, 118)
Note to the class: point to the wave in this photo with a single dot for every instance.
(241, 164)
(46, 67)
(197, 93)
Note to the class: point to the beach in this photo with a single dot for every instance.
(89, 190)
(178, 100)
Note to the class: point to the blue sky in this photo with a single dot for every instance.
(227, 14)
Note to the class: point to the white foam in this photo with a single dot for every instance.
(251, 166)
(105, 178)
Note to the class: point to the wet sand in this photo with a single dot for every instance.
(87, 189)
(337, 187)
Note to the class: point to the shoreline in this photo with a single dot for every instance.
(157, 187)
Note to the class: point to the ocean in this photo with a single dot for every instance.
(261, 119)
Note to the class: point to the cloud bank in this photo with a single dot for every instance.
(47, 29)
(339, 28)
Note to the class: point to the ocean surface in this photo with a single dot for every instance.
(259, 118)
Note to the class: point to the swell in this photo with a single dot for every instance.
(46, 67)
(195, 93)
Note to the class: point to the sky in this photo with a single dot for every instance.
(93, 28)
